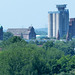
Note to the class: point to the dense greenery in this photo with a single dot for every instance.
(18, 57)
(7, 35)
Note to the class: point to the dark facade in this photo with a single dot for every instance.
(26, 33)
(1, 33)
(72, 26)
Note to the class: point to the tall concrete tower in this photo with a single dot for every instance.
(58, 20)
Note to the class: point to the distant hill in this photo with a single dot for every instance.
(41, 31)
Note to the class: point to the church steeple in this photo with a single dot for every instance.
(1, 32)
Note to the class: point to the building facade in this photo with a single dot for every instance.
(58, 21)
(1, 32)
(72, 26)
(26, 33)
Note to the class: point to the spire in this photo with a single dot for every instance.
(58, 36)
(67, 36)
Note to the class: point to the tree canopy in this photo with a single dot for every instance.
(18, 57)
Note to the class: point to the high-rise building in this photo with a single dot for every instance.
(58, 21)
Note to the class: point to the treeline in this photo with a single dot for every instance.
(41, 33)
(18, 57)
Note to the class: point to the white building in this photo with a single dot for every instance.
(58, 21)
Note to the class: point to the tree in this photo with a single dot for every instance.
(63, 62)
(21, 58)
(66, 47)
(7, 35)
(48, 44)
(14, 39)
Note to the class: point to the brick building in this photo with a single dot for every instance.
(26, 33)
(72, 26)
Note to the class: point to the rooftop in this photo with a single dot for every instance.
(61, 7)
(53, 12)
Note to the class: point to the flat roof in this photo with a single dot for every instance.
(61, 6)
(51, 12)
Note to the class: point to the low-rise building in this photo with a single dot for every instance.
(26, 33)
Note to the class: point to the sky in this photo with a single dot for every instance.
(25, 13)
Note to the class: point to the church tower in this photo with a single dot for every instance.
(1, 32)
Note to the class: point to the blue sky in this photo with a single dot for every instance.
(24, 13)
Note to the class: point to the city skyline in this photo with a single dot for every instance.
(22, 13)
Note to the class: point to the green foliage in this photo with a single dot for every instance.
(37, 42)
(15, 39)
(7, 35)
(53, 53)
(48, 44)
(63, 62)
(12, 40)
(66, 47)
(64, 37)
(20, 58)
